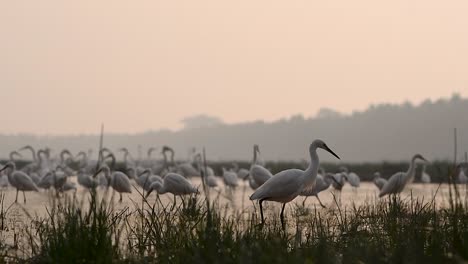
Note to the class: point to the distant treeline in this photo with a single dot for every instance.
(382, 132)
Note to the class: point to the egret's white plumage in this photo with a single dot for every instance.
(399, 180)
(286, 185)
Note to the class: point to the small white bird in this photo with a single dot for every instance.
(286, 185)
(20, 180)
(379, 181)
(399, 180)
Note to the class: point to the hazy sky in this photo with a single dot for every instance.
(66, 66)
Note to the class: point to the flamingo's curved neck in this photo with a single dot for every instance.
(411, 170)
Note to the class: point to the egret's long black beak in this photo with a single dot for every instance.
(331, 151)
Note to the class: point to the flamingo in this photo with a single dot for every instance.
(173, 183)
(399, 180)
(258, 173)
(85, 180)
(146, 178)
(286, 185)
(322, 183)
(20, 180)
(425, 178)
(462, 178)
(230, 179)
(117, 180)
(379, 181)
(242, 173)
(351, 177)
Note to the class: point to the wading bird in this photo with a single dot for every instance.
(117, 180)
(379, 181)
(230, 179)
(173, 183)
(425, 178)
(399, 180)
(258, 173)
(322, 183)
(19, 180)
(288, 184)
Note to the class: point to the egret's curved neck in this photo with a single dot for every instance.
(311, 172)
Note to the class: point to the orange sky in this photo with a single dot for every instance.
(67, 66)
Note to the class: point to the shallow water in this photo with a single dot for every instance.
(237, 199)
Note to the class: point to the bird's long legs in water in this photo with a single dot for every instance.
(16, 200)
(321, 204)
(120, 200)
(24, 197)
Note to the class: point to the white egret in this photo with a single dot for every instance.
(286, 185)
(20, 180)
(379, 181)
(399, 180)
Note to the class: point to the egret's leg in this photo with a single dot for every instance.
(261, 210)
(120, 200)
(321, 204)
(24, 197)
(16, 200)
(282, 215)
(303, 202)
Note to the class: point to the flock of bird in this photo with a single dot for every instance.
(168, 176)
